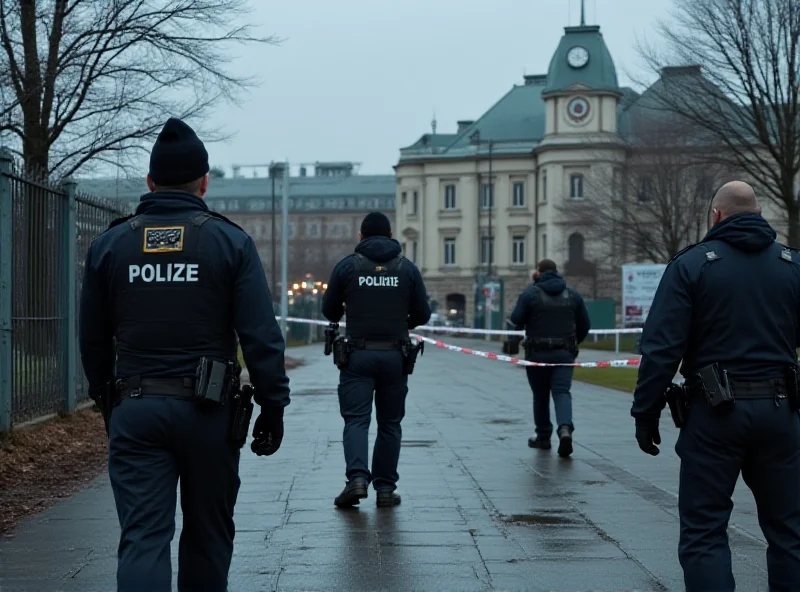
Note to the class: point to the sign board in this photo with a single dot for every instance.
(639, 284)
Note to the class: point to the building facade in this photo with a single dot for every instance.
(488, 202)
(325, 213)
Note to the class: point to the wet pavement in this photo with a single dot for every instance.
(481, 511)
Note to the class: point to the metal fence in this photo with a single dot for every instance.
(45, 231)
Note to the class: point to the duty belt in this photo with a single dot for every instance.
(743, 389)
(156, 387)
(376, 344)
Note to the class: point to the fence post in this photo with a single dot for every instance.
(69, 286)
(6, 263)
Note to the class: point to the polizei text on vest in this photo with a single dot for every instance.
(170, 272)
(379, 280)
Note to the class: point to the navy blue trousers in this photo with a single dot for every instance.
(544, 380)
(154, 443)
(380, 373)
(762, 441)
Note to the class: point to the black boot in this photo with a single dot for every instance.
(564, 441)
(541, 443)
(352, 494)
(388, 499)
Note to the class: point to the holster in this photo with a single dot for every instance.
(792, 386)
(241, 414)
(678, 402)
(714, 384)
(341, 352)
(216, 381)
(410, 351)
(331, 333)
(105, 398)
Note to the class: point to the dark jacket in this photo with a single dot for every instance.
(732, 299)
(553, 284)
(232, 297)
(380, 250)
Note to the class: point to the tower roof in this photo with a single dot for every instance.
(597, 73)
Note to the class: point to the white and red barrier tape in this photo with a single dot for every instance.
(631, 363)
(470, 330)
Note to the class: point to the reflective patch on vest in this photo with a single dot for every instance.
(169, 273)
(380, 281)
(786, 255)
(163, 239)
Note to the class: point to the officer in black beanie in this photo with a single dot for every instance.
(174, 284)
(384, 296)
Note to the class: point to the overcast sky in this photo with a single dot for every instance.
(356, 80)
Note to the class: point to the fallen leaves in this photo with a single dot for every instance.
(48, 461)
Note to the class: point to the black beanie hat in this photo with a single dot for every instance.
(376, 224)
(178, 155)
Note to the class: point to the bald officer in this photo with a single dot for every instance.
(729, 308)
(384, 297)
(175, 284)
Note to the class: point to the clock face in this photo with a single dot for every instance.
(577, 57)
(578, 109)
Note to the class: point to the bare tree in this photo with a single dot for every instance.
(746, 101)
(90, 81)
(654, 201)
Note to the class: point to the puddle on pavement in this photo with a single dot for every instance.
(590, 482)
(541, 519)
(417, 443)
(314, 392)
(503, 421)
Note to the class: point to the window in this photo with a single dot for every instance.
(487, 250)
(518, 249)
(576, 186)
(519, 194)
(644, 192)
(449, 251)
(487, 196)
(415, 204)
(576, 244)
(616, 184)
(544, 186)
(414, 251)
(449, 197)
(403, 198)
(544, 246)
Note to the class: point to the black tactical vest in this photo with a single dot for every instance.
(376, 300)
(168, 298)
(553, 316)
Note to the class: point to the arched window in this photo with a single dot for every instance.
(576, 247)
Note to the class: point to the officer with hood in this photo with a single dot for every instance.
(555, 320)
(165, 294)
(729, 309)
(383, 296)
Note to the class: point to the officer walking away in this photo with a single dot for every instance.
(383, 296)
(175, 284)
(738, 411)
(555, 321)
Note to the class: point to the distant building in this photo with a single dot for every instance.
(325, 212)
(482, 205)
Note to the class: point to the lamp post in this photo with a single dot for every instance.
(285, 251)
(272, 171)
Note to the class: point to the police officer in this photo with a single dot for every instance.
(729, 307)
(175, 284)
(383, 296)
(555, 320)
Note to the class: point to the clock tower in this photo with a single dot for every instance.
(582, 92)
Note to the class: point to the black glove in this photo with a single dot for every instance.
(647, 435)
(268, 431)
